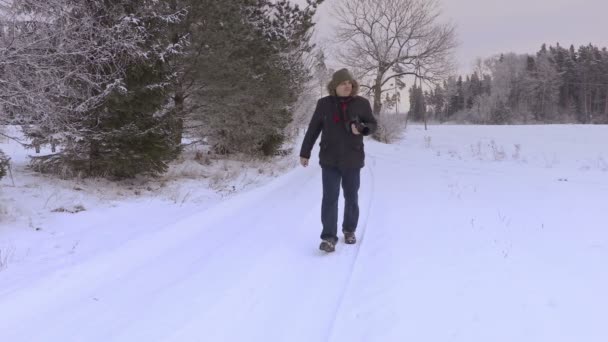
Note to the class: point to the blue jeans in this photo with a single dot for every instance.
(350, 179)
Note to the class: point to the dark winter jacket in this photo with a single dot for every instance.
(339, 147)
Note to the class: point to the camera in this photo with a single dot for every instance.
(361, 127)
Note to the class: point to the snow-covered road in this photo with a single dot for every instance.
(456, 243)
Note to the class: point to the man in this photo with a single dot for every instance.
(343, 118)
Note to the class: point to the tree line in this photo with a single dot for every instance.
(555, 85)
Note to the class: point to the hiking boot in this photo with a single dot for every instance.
(350, 238)
(327, 246)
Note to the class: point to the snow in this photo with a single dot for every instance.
(467, 233)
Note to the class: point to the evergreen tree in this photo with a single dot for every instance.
(437, 102)
(583, 70)
(250, 72)
(417, 110)
(457, 99)
(321, 72)
(542, 86)
(468, 93)
(555, 85)
(451, 95)
(500, 114)
(596, 79)
(603, 80)
(572, 80)
(4, 164)
(101, 77)
(476, 86)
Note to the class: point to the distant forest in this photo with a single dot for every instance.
(556, 85)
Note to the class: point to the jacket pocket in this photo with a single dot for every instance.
(357, 147)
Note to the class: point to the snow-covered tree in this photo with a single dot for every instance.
(321, 73)
(249, 71)
(542, 86)
(417, 110)
(92, 77)
(437, 103)
(4, 164)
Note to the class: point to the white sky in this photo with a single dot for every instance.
(488, 27)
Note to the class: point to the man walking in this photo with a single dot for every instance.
(342, 119)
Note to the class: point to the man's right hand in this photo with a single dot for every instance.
(304, 161)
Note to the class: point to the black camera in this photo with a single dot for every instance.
(361, 127)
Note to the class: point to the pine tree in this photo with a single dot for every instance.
(583, 70)
(542, 84)
(604, 82)
(457, 101)
(500, 114)
(118, 123)
(4, 164)
(417, 110)
(476, 86)
(597, 77)
(469, 96)
(437, 102)
(250, 72)
(321, 72)
(451, 97)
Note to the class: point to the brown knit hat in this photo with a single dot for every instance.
(339, 77)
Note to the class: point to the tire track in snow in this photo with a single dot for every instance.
(109, 278)
(234, 242)
(244, 289)
(347, 283)
(256, 314)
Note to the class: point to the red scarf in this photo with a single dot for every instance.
(340, 114)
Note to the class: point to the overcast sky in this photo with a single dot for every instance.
(488, 27)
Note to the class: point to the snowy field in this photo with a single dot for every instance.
(467, 233)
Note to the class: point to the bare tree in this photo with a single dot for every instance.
(386, 39)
